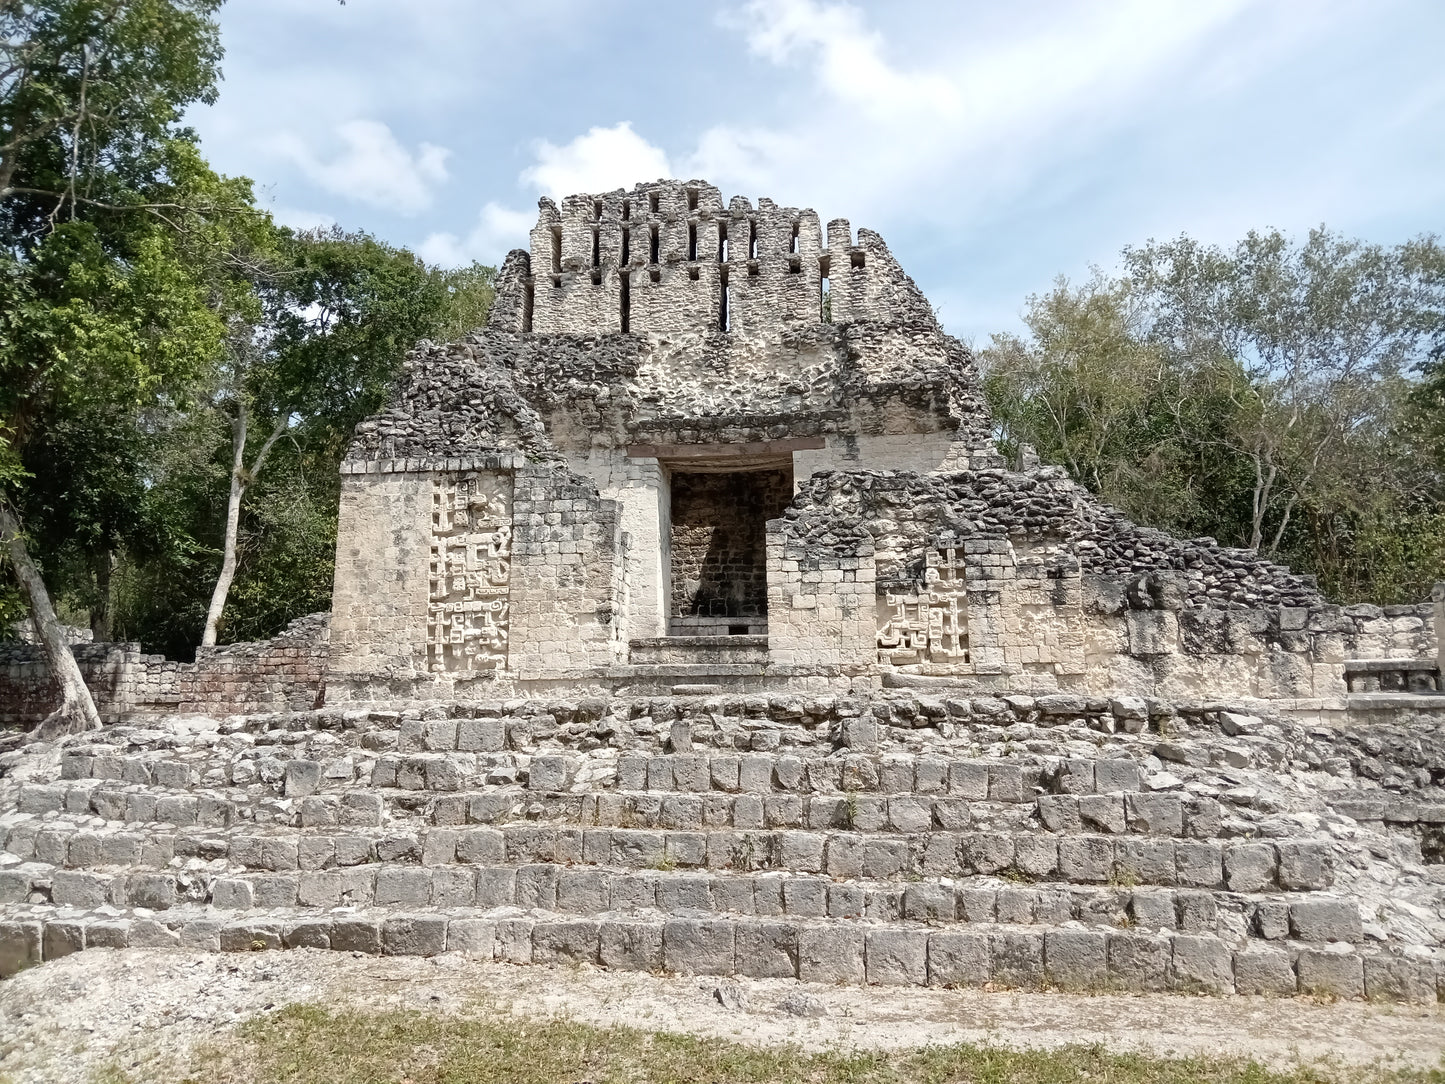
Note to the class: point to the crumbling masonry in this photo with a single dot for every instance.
(686, 617)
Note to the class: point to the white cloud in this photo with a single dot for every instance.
(498, 230)
(300, 219)
(848, 57)
(996, 102)
(373, 167)
(599, 160)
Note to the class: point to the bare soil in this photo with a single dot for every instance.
(143, 1011)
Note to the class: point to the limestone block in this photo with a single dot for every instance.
(1325, 920)
(1076, 959)
(106, 934)
(404, 885)
(496, 886)
(1250, 867)
(356, 935)
(481, 846)
(243, 936)
(514, 940)
(454, 886)
(733, 894)
(472, 936)
(439, 847)
(805, 897)
(1197, 912)
(1262, 969)
(830, 954)
(1076, 776)
(70, 889)
(61, 938)
(276, 889)
(537, 886)
(303, 777)
(631, 946)
(566, 942)
(1103, 813)
(1138, 962)
(549, 773)
(1199, 865)
(1304, 865)
(483, 736)
(909, 814)
(413, 935)
(360, 809)
(896, 957)
(1059, 812)
(1332, 972)
(308, 933)
(968, 779)
(1146, 861)
(1152, 632)
(845, 901)
(1201, 965)
(156, 891)
(884, 858)
(1112, 776)
(1271, 919)
(959, 958)
(1018, 957)
(767, 950)
(698, 946)
(1399, 978)
(1155, 814)
(1086, 859)
(929, 902)
(988, 852)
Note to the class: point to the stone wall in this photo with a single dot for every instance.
(669, 258)
(285, 672)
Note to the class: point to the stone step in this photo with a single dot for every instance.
(1247, 866)
(1171, 815)
(819, 950)
(486, 882)
(430, 768)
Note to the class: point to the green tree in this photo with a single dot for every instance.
(339, 312)
(1269, 395)
(99, 312)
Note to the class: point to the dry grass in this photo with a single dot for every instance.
(310, 1044)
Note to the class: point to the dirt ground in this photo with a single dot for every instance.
(143, 1010)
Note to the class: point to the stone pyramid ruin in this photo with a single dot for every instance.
(686, 618)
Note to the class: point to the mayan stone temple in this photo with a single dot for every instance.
(686, 619)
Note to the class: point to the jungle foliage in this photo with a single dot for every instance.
(1282, 395)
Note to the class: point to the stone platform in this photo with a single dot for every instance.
(903, 838)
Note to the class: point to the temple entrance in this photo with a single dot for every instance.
(718, 548)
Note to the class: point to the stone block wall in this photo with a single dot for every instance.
(284, 673)
(821, 604)
(570, 586)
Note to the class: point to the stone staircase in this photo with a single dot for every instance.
(1077, 844)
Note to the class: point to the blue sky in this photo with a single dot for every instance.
(995, 146)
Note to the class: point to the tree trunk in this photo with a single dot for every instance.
(240, 478)
(100, 614)
(76, 712)
(233, 523)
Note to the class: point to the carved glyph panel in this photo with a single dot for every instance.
(471, 572)
(929, 624)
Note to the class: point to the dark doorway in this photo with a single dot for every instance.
(719, 549)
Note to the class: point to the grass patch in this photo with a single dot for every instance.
(309, 1044)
